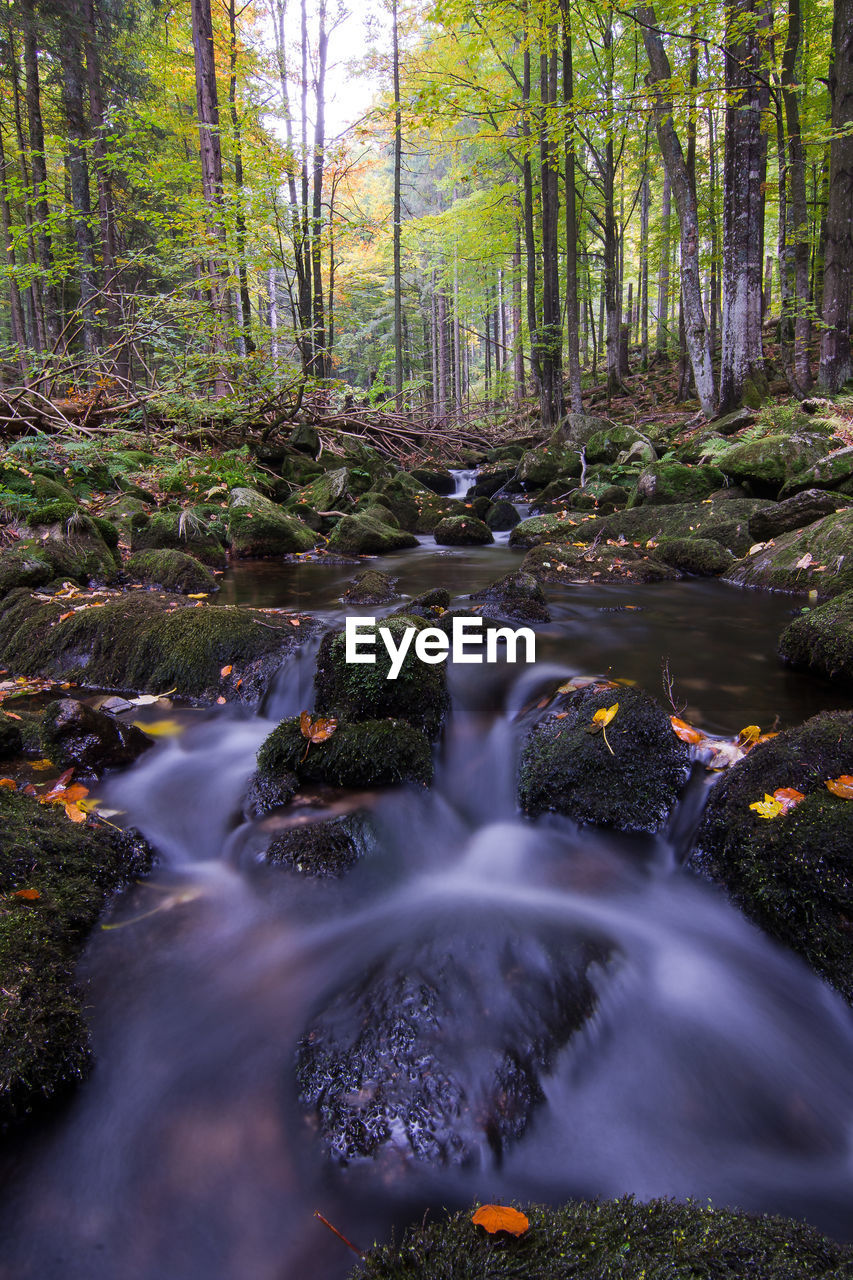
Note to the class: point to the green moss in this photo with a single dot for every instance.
(822, 639)
(779, 566)
(43, 1039)
(833, 471)
(700, 556)
(171, 570)
(371, 587)
(632, 785)
(55, 511)
(366, 535)
(605, 446)
(765, 463)
(549, 528)
(24, 565)
(141, 641)
(615, 1240)
(373, 753)
(330, 491)
(518, 596)
(180, 531)
(666, 482)
(462, 531)
(790, 874)
(257, 528)
(723, 520)
(108, 531)
(565, 563)
(362, 691)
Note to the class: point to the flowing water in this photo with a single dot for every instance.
(714, 1064)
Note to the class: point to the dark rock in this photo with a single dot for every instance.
(325, 849)
(171, 570)
(491, 479)
(371, 587)
(462, 531)
(75, 868)
(795, 513)
(265, 793)
(501, 517)
(565, 563)
(791, 874)
(304, 439)
(438, 479)
(821, 640)
(366, 535)
(11, 742)
(733, 422)
(700, 556)
(784, 564)
(362, 691)
(518, 595)
(372, 753)
(633, 786)
(73, 733)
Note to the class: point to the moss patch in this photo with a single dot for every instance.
(565, 563)
(623, 1239)
(700, 556)
(189, 531)
(829, 543)
(822, 639)
(366, 535)
(44, 1044)
(373, 753)
(790, 874)
(171, 570)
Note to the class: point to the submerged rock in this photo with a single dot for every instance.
(171, 570)
(631, 785)
(67, 872)
(602, 1240)
(371, 587)
(324, 849)
(372, 753)
(822, 640)
(518, 595)
(791, 874)
(73, 733)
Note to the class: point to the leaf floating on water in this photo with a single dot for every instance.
(500, 1217)
(788, 798)
(768, 807)
(148, 699)
(684, 731)
(160, 728)
(841, 787)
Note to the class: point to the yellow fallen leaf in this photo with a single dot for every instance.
(198, 595)
(41, 766)
(160, 728)
(749, 735)
(603, 716)
(768, 807)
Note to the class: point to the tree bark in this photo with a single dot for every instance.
(38, 170)
(662, 325)
(836, 363)
(78, 174)
(398, 147)
(572, 305)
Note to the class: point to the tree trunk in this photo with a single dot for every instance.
(398, 145)
(78, 173)
(320, 364)
(696, 328)
(245, 307)
(529, 233)
(572, 305)
(836, 364)
(518, 339)
(38, 169)
(742, 373)
(644, 273)
(662, 326)
(19, 331)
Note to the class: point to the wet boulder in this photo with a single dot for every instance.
(462, 531)
(539, 467)
(24, 565)
(258, 529)
(73, 733)
(56, 877)
(723, 520)
(192, 531)
(438, 479)
(627, 776)
(433, 509)
(371, 753)
(266, 792)
(501, 517)
(325, 849)
(765, 462)
(817, 558)
(701, 557)
(821, 640)
(371, 587)
(492, 478)
(558, 527)
(791, 873)
(562, 563)
(366, 534)
(437, 1053)
(170, 570)
(140, 640)
(591, 1240)
(795, 513)
(518, 596)
(362, 690)
(429, 604)
(665, 482)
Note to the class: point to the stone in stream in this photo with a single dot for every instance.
(566, 563)
(795, 513)
(701, 557)
(56, 877)
(791, 874)
(462, 531)
(196, 531)
(257, 528)
(438, 479)
(371, 753)
(518, 596)
(268, 791)
(501, 517)
(821, 640)
(326, 849)
(440, 1049)
(371, 587)
(73, 733)
(632, 784)
(364, 534)
(361, 691)
(818, 558)
(170, 570)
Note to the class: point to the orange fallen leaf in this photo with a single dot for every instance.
(749, 736)
(10, 715)
(788, 798)
(318, 730)
(27, 895)
(62, 617)
(684, 731)
(9, 783)
(226, 671)
(841, 787)
(221, 701)
(500, 1217)
(295, 622)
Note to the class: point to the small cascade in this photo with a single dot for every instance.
(464, 480)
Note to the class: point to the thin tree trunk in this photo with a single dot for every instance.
(662, 326)
(518, 339)
(572, 306)
(16, 310)
(78, 173)
(38, 169)
(836, 362)
(245, 307)
(320, 365)
(398, 146)
(644, 272)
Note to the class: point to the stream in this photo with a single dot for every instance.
(714, 1064)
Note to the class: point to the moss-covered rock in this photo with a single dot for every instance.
(623, 1239)
(438, 479)
(723, 520)
(258, 529)
(539, 467)
(362, 691)
(832, 471)
(365, 535)
(372, 753)
(433, 509)
(699, 556)
(73, 733)
(767, 461)
(737, 420)
(462, 531)
(795, 513)
(197, 534)
(11, 741)
(791, 874)
(561, 563)
(492, 478)
(821, 640)
(329, 492)
(559, 527)
(74, 868)
(24, 565)
(171, 570)
(304, 439)
(666, 482)
(143, 641)
(817, 558)
(605, 446)
(265, 792)
(632, 785)
(579, 428)
(325, 849)
(371, 587)
(501, 517)
(518, 596)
